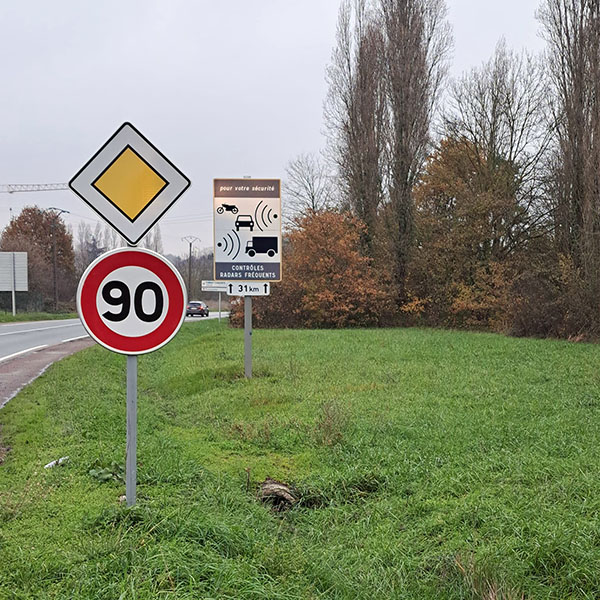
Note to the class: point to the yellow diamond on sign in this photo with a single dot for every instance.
(130, 183)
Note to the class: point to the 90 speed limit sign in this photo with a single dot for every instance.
(131, 300)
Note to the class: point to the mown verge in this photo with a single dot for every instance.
(6, 317)
(428, 464)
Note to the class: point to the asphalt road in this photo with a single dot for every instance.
(20, 338)
(17, 339)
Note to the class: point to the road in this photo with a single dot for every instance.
(17, 339)
(20, 338)
(28, 349)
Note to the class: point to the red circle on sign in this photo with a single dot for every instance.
(87, 294)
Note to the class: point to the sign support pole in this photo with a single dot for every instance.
(14, 285)
(219, 307)
(131, 461)
(248, 336)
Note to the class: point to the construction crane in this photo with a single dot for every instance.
(11, 188)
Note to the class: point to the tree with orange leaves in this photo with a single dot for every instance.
(326, 282)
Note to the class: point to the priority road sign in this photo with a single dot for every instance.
(131, 300)
(129, 183)
(247, 229)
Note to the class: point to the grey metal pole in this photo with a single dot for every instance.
(14, 285)
(54, 261)
(248, 336)
(190, 269)
(219, 307)
(131, 460)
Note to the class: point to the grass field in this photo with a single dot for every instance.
(430, 465)
(6, 317)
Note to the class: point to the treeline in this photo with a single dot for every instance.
(57, 258)
(474, 202)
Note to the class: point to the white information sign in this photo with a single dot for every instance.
(214, 286)
(247, 229)
(235, 288)
(13, 272)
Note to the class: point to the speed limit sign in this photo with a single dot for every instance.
(131, 300)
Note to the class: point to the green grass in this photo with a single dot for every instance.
(430, 464)
(6, 317)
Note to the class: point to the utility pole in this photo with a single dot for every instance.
(190, 239)
(56, 212)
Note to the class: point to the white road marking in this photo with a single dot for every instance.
(74, 339)
(3, 358)
(39, 329)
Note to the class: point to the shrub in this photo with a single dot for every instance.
(326, 281)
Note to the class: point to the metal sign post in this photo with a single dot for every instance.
(131, 301)
(248, 336)
(247, 238)
(247, 290)
(13, 286)
(145, 314)
(131, 457)
(215, 286)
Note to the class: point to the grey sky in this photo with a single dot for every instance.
(224, 89)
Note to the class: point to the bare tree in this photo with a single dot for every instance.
(417, 42)
(153, 240)
(355, 113)
(308, 187)
(498, 117)
(572, 30)
(87, 246)
(111, 238)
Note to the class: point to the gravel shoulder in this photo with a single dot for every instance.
(16, 373)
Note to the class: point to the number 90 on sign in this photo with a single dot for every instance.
(131, 300)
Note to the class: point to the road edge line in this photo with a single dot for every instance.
(81, 337)
(5, 358)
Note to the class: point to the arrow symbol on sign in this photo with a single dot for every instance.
(266, 287)
(230, 288)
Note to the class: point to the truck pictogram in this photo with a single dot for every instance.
(262, 245)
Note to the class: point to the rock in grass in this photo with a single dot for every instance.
(276, 493)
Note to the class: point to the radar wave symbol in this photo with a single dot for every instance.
(261, 219)
(231, 244)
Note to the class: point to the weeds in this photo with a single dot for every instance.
(481, 586)
(113, 472)
(331, 423)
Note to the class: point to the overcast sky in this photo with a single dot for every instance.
(223, 89)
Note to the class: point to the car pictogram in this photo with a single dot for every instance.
(244, 221)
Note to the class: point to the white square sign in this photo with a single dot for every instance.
(247, 229)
